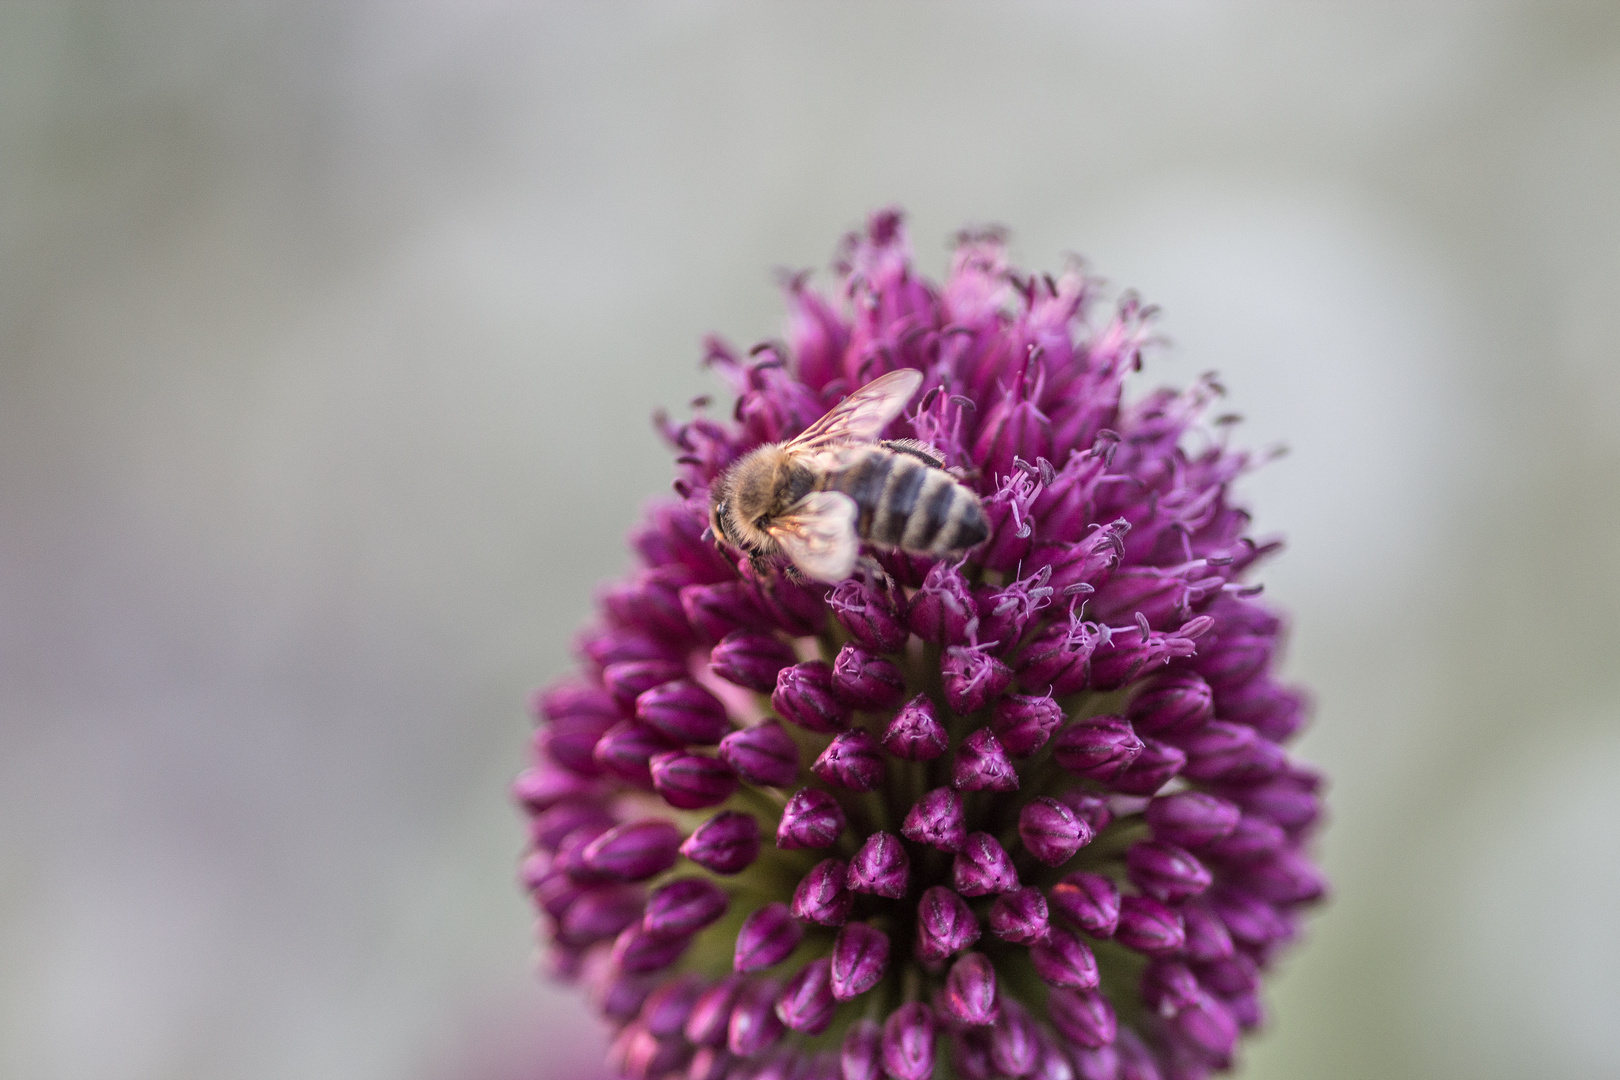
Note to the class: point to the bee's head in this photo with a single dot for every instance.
(742, 501)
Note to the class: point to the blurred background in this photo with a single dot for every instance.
(328, 335)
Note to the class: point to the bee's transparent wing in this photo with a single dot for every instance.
(861, 417)
(819, 535)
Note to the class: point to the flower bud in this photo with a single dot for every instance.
(1171, 703)
(1283, 878)
(570, 741)
(970, 1052)
(1250, 920)
(1191, 818)
(625, 749)
(683, 711)
(764, 755)
(716, 611)
(706, 1023)
(1050, 831)
(727, 843)
(1208, 940)
(620, 996)
(629, 679)
(1233, 659)
(865, 680)
(806, 1003)
(751, 659)
(1219, 751)
(754, 1025)
(1005, 614)
(1052, 1063)
(1019, 916)
(982, 765)
(860, 956)
(1014, 1043)
(691, 781)
(1288, 799)
(598, 914)
(861, 1055)
(982, 867)
(880, 867)
(1082, 1016)
(1127, 655)
(1208, 1028)
(1165, 872)
(1254, 838)
(1231, 977)
(1064, 959)
(1135, 1061)
(1161, 597)
(852, 760)
(766, 938)
(942, 611)
(666, 1008)
(1151, 769)
(634, 851)
(1089, 807)
(607, 647)
(1099, 747)
(821, 896)
(684, 906)
(945, 925)
(937, 819)
(1058, 659)
(804, 695)
(1089, 562)
(1148, 926)
(1024, 723)
(638, 1054)
(1089, 901)
(710, 1063)
(811, 819)
(874, 616)
(636, 952)
(1276, 712)
(915, 733)
(969, 996)
(908, 1043)
(973, 678)
(545, 786)
(549, 828)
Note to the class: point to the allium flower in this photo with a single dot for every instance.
(1022, 813)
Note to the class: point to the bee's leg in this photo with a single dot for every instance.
(874, 572)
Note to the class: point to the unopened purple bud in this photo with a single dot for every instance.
(1191, 818)
(570, 857)
(710, 1063)
(1128, 655)
(620, 996)
(1250, 920)
(625, 749)
(937, 819)
(880, 867)
(1168, 986)
(1290, 799)
(908, 1042)
(1089, 807)
(1208, 1028)
(727, 843)
(1024, 723)
(665, 1011)
(853, 760)
(692, 781)
(629, 679)
(1165, 871)
(804, 694)
(943, 611)
(1014, 1042)
(751, 659)
(811, 819)
(706, 1023)
(1284, 878)
(973, 678)
(598, 914)
(865, 680)
(982, 765)
(915, 733)
(1082, 1016)
(798, 606)
(718, 610)
(555, 889)
(970, 1053)
(806, 1003)
(1230, 977)
(638, 1054)
(1099, 747)
(570, 741)
(549, 828)
(754, 1024)
(543, 787)
(1149, 926)
(1170, 704)
(1090, 901)
(1089, 562)
(874, 616)
(1208, 940)
(859, 959)
(969, 996)
(1276, 712)
(1233, 659)
(1160, 597)
(1135, 1060)
(684, 906)
(1052, 1063)
(1064, 959)
(1151, 770)
(764, 755)
(821, 896)
(1221, 751)
(636, 952)
(634, 851)
(684, 711)
(982, 867)
(1019, 916)
(1050, 831)
(861, 1055)
(945, 925)
(1253, 838)
(767, 937)
(1058, 659)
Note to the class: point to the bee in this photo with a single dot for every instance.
(816, 497)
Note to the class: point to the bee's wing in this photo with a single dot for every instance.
(862, 416)
(818, 534)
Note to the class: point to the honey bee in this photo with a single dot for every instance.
(815, 497)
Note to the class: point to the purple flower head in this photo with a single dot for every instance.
(763, 794)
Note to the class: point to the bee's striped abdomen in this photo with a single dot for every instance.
(906, 504)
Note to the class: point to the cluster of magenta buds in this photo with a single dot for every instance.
(1025, 813)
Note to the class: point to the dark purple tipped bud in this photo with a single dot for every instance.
(710, 1063)
(554, 890)
(625, 749)
(1019, 916)
(982, 765)
(1284, 878)
(706, 1023)
(937, 820)
(1099, 747)
(1089, 562)
(982, 867)
(1289, 800)
(634, 851)
(692, 781)
(727, 843)
(684, 906)
(1233, 659)
(804, 694)
(865, 680)
(1171, 703)
(570, 741)
(1014, 1042)
(908, 1042)
(754, 1024)
(570, 857)
(1024, 723)
(1234, 976)
(861, 1055)
(811, 819)
(1050, 831)
(821, 896)
(1135, 1060)
(970, 1052)
(1151, 770)
(1058, 659)
(598, 914)
(1150, 927)
(1254, 838)
(715, 611)
(915, 733)
(880, 867)
(629, 679)
(973, 678)
(1082, 1016)
(945, 925)
(806, 1003)
(620, 997)
(1208, 940)
(683, 711)
(1191, 818)
(1053, 1063)
(1276, 712)
(636, 952)
(852, 760)
(797, 606)
(1217, 749)
(874, 616)
(1089, 901)
(638, 1054)
(859, 959)
(970, 990)
(542, 788)
(665, 1011)
(549, 828)
(1168, 986)
(1163, 598)
(1064, 959)
(751, 659)
(1208, 1028)
(767, 937)
(1165, 872)
(1089, 807)
(942, 611)
(1250, 920)
(764, 755)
